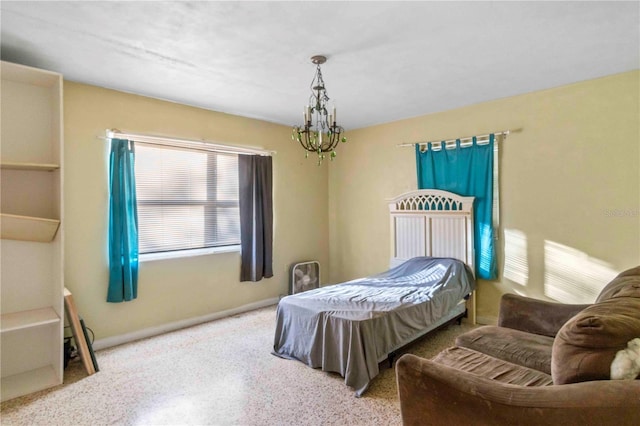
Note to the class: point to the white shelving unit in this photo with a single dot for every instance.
(31, 224)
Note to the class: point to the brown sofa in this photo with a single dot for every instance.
(543, 364)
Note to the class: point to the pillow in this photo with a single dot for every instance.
(586, 345)
(626, 364)
(626, 284)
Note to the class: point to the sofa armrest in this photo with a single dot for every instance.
(434, 394)
(534, 315)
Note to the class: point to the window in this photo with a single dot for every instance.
(187, 198)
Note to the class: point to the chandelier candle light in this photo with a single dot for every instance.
(320, 132)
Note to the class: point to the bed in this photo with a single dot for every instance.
(349, 328)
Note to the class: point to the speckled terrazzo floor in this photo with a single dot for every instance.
(218, 373)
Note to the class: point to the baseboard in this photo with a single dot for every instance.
(177, 325)
(486, 320)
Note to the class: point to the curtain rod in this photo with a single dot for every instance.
(162, 140)
(500, 133)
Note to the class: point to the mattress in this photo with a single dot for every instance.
(349, 328)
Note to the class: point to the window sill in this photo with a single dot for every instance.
(149, 257)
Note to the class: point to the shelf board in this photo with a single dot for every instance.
(26, 319)
(27, 228)
(30, 166)
(29, 381)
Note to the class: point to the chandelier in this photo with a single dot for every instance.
(319, 133)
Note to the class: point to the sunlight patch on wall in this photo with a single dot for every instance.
(521, 293)
(571, 276)
(516, 266)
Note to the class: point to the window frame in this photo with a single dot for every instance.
(176, 254)
(197, 251)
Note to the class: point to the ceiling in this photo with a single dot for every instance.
(386, 60)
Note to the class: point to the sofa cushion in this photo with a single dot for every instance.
(515, 346)
(586, 345)
(491, 368)
(626, 284)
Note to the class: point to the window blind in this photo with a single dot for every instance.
(187, 198)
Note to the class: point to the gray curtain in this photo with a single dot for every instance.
(256, 217)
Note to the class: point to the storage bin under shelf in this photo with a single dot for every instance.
(27, 228)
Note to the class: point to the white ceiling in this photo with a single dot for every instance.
(386, 60)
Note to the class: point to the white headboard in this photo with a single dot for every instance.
(430, 222)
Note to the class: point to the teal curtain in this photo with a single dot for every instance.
(466, 171)
(123, 223)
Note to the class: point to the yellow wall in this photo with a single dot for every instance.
(569, 188)
(570, 198)
(177, 289)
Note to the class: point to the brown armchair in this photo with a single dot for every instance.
(535, 316)
(432, 393)
(545, 363)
